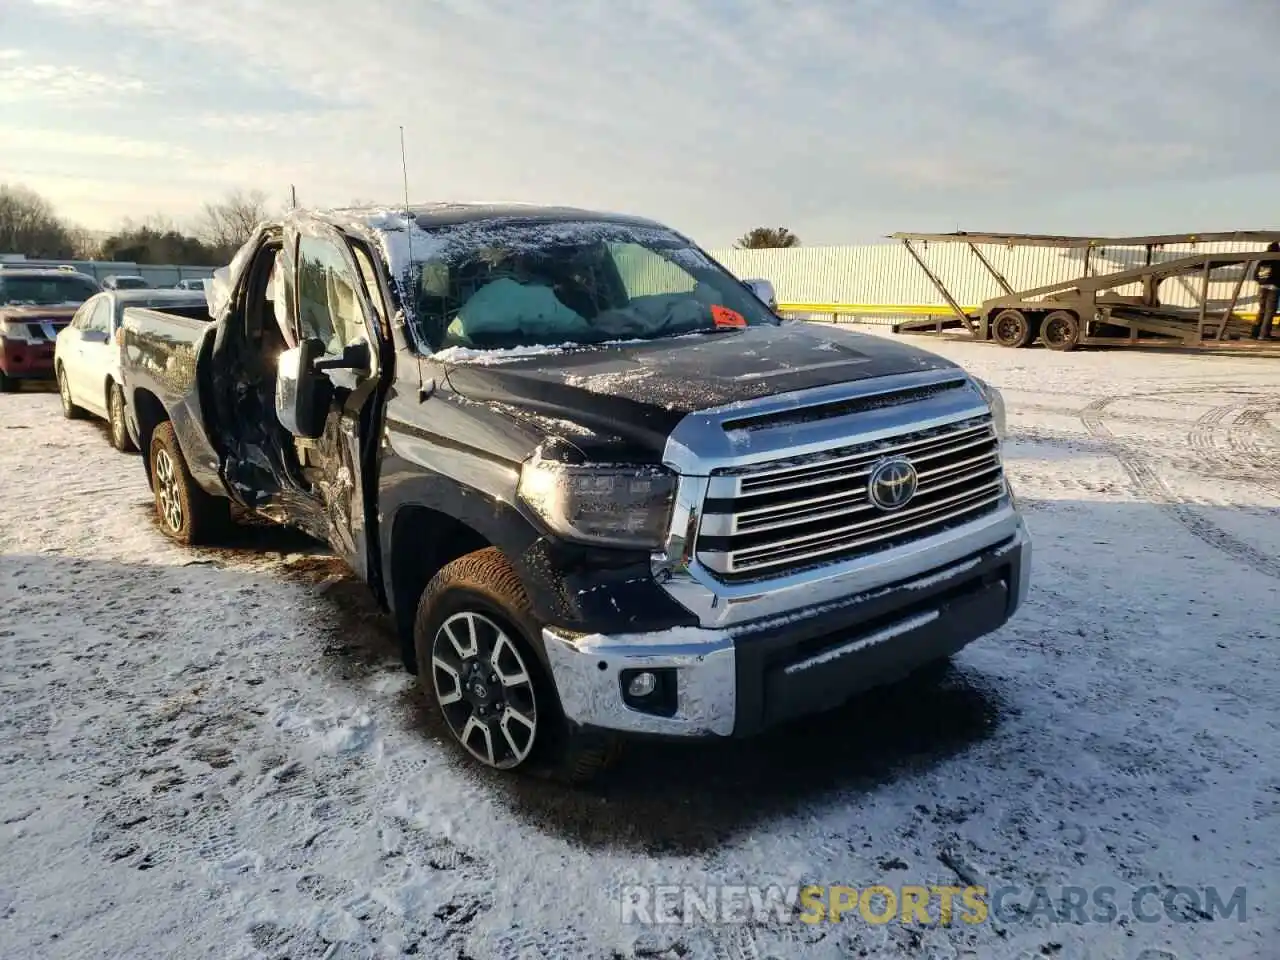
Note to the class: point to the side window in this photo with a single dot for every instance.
(100, 319)
(369, 274)
(81, 320)
(282, 297)
(328, 307)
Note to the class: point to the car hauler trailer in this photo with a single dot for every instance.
(1089, 309)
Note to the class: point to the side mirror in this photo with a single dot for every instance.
(763, 289)
(355, 356)
(303, 394)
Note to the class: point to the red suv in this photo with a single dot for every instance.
(35, 303)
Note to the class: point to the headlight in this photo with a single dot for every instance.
(616, 506)
(14, 330)
(995, 400)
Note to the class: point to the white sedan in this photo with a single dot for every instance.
(86, 356)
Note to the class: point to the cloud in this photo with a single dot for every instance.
(22, 81)
(55, 143)
(707, 113)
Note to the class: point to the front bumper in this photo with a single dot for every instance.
(24, 360)
(740, 680)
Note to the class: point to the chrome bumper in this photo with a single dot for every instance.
(586, 670)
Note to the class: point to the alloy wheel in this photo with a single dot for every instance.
(484, 689)
(116, 412)
(64, 391)
(166, 478)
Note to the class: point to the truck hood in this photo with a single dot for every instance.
(639, 391)
(26, 312)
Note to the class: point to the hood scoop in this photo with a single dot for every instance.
(842, 408)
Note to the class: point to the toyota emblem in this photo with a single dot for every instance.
(892, 483)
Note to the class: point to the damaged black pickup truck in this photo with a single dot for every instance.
(600, 486)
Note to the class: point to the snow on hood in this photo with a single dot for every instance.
(492, 357)
(489, 357)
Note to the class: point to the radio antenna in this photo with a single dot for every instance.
(408, 216)
(404, 168)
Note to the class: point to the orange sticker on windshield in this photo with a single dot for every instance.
(724, 317)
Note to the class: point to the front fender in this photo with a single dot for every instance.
(568, 585)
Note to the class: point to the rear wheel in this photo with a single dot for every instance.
(477, 666)
(186, 513)
(69, 409)
(115, 418)
(1011, 328)
(1060, 330)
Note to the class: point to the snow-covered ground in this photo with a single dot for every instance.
(215, 754)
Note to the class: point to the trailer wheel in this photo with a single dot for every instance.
(1060, 330)
(1011, 328)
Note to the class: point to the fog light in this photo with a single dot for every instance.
(642, 684)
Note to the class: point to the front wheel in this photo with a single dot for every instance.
(115, 418)
(69, 409)
(474, 635)
(186, 513)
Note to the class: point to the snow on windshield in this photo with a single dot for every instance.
(509, 284)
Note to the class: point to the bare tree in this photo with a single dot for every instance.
(766, 237)
(227, 225)
(85, 245)
(28, 224)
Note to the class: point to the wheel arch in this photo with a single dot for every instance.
(422, 540)
(150, 413)
(108, 382)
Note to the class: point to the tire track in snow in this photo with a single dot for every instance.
(1150, 484)
(1249, 460)
(1258, 439)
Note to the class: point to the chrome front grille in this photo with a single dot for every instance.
(44, 330)
(782, 516)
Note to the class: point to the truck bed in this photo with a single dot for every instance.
(158, 355)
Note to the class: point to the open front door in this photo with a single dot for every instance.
(330, 304)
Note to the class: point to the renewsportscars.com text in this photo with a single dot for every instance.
(929, 905)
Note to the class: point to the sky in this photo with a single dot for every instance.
(843, 120)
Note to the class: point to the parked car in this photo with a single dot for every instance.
(124, 282)
(35, 304)
(87, 354)
(190, 284)
(601, 488)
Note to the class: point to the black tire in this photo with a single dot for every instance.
(1060, 331)
(1011, 328)
(69, 409)
(120, 438)
(482, 593)
(7, 383)
(185, 512)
